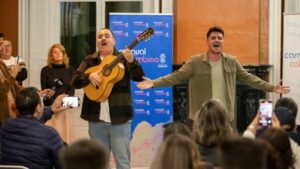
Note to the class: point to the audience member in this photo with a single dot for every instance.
(242, 153)
(211, 125)
(177, 152)
(8, 91)
(57, 74)
(288, 103)
(272, 154)
(15, 65)
(288, 122)
(177, 128)
(85, 154)
(255, 125)
(279, 139)
(25, 140)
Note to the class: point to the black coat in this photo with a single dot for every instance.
(28, 142)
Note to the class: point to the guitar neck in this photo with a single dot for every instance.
(121, 56)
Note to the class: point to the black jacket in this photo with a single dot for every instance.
(28, 142)
(120, 102)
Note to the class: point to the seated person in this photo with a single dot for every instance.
(85, 154)
(26, 140)
(288, 122)
(242, 153)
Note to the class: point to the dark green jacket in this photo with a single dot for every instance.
(197, 71)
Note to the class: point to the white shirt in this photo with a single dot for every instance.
(104, 111)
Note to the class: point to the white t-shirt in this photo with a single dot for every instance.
(12, 61)
(104, 111)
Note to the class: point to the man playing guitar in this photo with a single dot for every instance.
(110, 120)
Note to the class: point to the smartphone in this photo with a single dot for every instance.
(71, 101)
(266, 109)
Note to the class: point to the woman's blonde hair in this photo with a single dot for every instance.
(177, 151)
(211, 123)
(65, 56)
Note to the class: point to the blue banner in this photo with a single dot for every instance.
(155, 55)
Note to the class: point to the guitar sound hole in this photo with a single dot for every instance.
(106, 71)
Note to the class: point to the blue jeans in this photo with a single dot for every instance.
(116, 138)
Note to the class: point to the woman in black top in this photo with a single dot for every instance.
(57, 74)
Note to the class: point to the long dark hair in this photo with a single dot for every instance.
(279, 139)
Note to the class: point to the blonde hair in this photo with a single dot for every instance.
(177, 152)
(65, 56)
(211, 124)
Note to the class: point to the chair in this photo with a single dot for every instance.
(12, 167)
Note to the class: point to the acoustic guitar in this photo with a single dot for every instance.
(111, 70)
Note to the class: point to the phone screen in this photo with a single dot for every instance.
(266, 108)
(70, 101)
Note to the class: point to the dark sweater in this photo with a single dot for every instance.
(28, 142)
(50, 74)
(120, 103)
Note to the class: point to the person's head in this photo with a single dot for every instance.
(242, 153)
(279, 139)
(105, 42)
(85, 154)
(177, 127)
(28, 102)
(273, 161)
(57, 55)
(288, 103)
(215, 39)
(211, 123)
(286, 118)
(6, 49)
(177, 151)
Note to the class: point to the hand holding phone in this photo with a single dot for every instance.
(266, 109)
(70, 101)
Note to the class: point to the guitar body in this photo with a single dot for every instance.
(109, 77)
(111, 70)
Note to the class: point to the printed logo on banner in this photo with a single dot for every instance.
(142, 52)
(161, 33)
(161, 24)
(120, 33)
(141, 93)
(142, 111)
(120, 24)
(140, 24)
(141, 102)
(162, 111)
(161, 93)
(162, 61)
(162, 101)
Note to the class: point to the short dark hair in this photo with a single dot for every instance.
(1, 35)
(288, 103)
(214, 29)
(87, 154)
(286, 118)
(27, 100)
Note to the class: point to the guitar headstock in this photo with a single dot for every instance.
(145, 34)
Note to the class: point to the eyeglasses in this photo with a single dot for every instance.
(6, 46)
